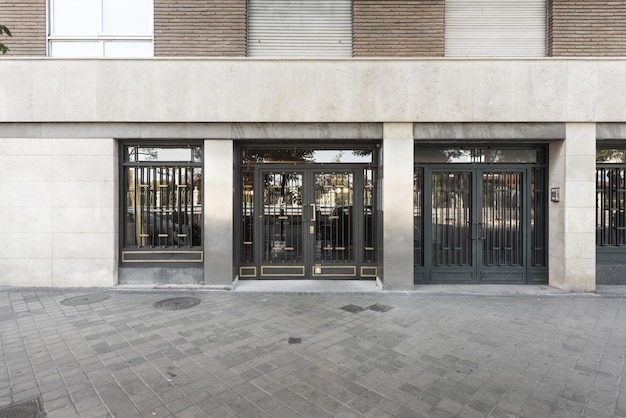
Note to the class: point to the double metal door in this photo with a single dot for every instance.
(315, 223)
(478, 219)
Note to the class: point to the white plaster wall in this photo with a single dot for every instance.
(353, 90)
(58, 211)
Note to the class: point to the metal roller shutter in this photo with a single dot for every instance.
(302, 28)
(495, 28)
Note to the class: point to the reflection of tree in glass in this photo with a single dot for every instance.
(251, 155)
(282, 189)
(277, 155)
(610, 156)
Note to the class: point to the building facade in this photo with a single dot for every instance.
(410, 142)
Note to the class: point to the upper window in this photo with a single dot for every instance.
(300, 28)
(495, 28)
(100, 28)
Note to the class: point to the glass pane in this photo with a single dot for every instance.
(434, 155)
(164, 154)
(611, 207)
(610, 156)
(282, 218)
(163, 207)
(510, 155)
(451, 217)
(75, 17)
(76, 49)
(538, 218)
(500, 227)
(128, 49)
(127, 17)
(369, 221)
(247, 216)
(475, 155)
(418, 190)
(302, 155)
(334, 202)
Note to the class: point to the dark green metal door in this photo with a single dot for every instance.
(475, 232)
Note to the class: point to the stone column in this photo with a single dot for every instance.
(217, 200)
(397, 205)
(572, 252)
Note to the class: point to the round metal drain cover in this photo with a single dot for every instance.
(85, 299)
(32, 408)
(20, 412)
(175, 304)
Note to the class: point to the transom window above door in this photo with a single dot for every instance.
(100, 28)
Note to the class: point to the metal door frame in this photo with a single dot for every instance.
(476, 272)
(309, 269)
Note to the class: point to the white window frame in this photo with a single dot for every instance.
(101, 38)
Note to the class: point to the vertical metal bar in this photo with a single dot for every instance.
(137, 196)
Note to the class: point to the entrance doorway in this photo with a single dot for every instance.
(308, 220)
(481, 222)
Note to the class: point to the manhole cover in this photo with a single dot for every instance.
(295, 340)
(175, 304)
(85, 299)
(352, 308)
(379, 308)
(32, 408)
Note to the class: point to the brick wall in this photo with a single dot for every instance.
(586, 28)
(396, 28)
(202, 28)
(26, 19)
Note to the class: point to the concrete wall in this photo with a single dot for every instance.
(61, 205)
(356, 90)
(572, 250)
(59, 210)
(397, 199)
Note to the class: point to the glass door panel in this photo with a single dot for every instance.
(334, 220)
(451, 219)
(282, 218)
(501, 226)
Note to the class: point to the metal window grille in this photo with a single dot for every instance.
(162, 200)
(538, 217)
(610, 206)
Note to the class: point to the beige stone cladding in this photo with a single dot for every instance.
(203, 28)
(397, 28)
(586, 28)
(59, 212)
(26, 19)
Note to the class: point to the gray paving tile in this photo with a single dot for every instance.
(433, 354)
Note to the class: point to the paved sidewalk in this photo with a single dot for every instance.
(111, 352)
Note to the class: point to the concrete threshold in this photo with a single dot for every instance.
(310, 286)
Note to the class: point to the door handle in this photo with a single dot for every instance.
(482, 232)
(313, 214)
